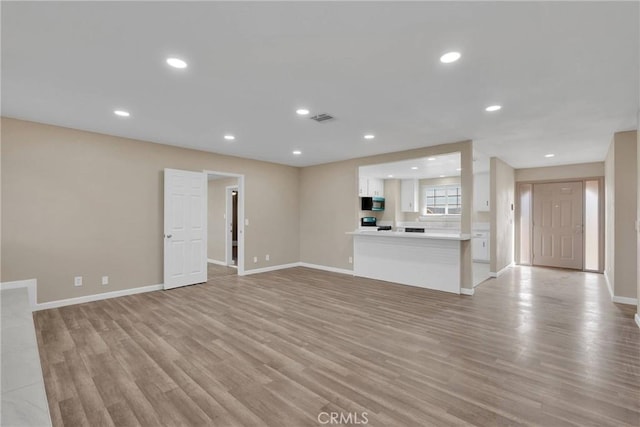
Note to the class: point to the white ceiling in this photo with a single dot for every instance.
(565, 72)
(422, 168)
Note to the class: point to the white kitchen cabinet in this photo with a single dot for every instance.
(363, 187)
(370, 187)
(376, 187)
(409, 195)
(481, 192)
(480, 246)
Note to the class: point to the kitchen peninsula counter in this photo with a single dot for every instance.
(429, 260)
(404, 234)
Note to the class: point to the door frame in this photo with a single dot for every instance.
(601, 219)
(241, 220)
(228, 245)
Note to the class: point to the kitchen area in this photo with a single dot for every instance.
(409, 223)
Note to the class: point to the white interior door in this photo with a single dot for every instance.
(557, 225)
(185, 228)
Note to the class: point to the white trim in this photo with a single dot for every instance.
(624, 300)
(270, 268)
(637, 317)
(215, 261)
(326, 268)
(606, 279)
(30, 284)
(501, 272)
(97, 297)
(465, 291)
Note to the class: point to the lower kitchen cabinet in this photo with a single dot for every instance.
(480, 246)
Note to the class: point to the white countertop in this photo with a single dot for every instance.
(404, 234)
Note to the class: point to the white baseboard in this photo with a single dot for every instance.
(501, 272)
(615, 298)
(326, 268)
(637, 317)
(624, 300)
(465, 291)
(96, 297)
(215, 261)
(30, 284)
(298, 264)
(270, 268)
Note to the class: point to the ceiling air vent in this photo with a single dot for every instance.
(321, 117)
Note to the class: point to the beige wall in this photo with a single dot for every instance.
(620, 214)
(502, 196)
(550, 173)
(323, 223)
(77, 203)
(216, 223)
(392, 210)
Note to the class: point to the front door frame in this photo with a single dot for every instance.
(601, 219)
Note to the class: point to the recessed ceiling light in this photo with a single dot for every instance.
(450, 57)
(297, 152)
(121, 113)
(176, 63)
(389, 176)
(492, 108)
(459, 169)
(369, 136)
(549, 155)
(302, 111)
(431, 158)
(443, 176)
(415, 168)
(229, 137)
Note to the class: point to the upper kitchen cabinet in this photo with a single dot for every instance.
(370, 187)
(409, 195)
(481, 192)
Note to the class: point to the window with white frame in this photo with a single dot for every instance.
(442, 200)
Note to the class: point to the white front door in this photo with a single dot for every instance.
(557, 225)
(185, 228)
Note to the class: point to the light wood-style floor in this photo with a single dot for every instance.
(534, 347)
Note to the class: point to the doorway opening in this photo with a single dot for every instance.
(225, 217)
(560, 224)
(231, 222)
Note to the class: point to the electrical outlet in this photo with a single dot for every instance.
(255, 259)
(105, 280)
(246, 221)
(350, 260)
(77, 281)
(266, 257)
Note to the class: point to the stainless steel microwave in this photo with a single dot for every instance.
(372, 203)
